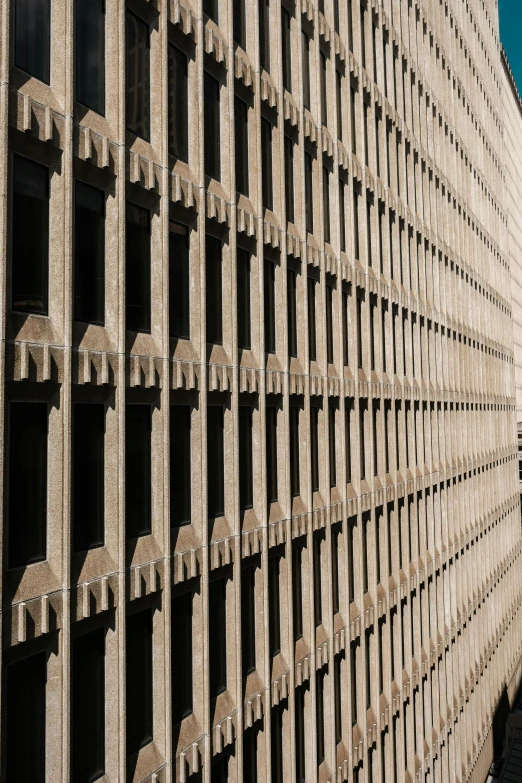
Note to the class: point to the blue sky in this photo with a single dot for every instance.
(510, 12)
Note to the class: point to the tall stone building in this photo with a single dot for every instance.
(261, 518)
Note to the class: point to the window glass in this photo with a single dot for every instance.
(139, 669)
(137, 76)
(138, 422)
(212, 128)
(90, 54)
(137, 268)
(25, 703)
(241, 146)
(178, 103)
(214, 313)
(89, 254)
(180, 486)
(33, 37)
(88, 475)
(179, 280)
(88, 706)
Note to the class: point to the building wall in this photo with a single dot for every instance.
(410, 576)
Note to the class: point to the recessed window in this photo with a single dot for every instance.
(89, 254)
(212, 127)
(291, 294)
(266, 164)
(338, 94)
(356, 224)
(324, 104)
(312, 341)
(305, 51)
(30, 237)
(248, 619)
(309, 194)
(33, 37)
(241, 146)
(319, 715)
(289, 179)
(329, 325)
(182, 657)
(25, 703)
(297, 591)
(243, 299)
(27, 500)
(137, 97)
(88, 706)
(179, 280)
(269, 306)
(286, 49)
(138, 478)
(180, 472)
(214, 294)
(139, 683)
(353, 121)
(271, 453)
(215, 464)
(318, 593)
(178, 103)
(300, 735)
(326, 204)
(264, 34)
(88, 475)
(336, 534)
(314, 446)
(245, 458)
(137, 268)
(239, 23)
(274, 607)
(342, 215)
(218, 636)
(332, 445)
(90, 54)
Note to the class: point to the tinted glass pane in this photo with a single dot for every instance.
(214, 290)
(271, 453)
(180, 505)
(25, 729)
(30, 237)
(211, 7)
(215, 466)
(248, 610)
(137, 263)
(243, 298)
(217, 637)
(27, 482)
(88, 475)
(287, 51)
(88, 706)
(182, 683)
(239, 22)
(297, 591)
(89, 254)
(266, 163)
(245, 457)
(179, 282)
(139, 680)
(33, 38)
(212, 128)
(269, 303)
(178, 103)
(138, 76)
(138, 470)
(274, 609)
(241, 133)
(294, 451)
(90, 54)
(309, 195)
(264, 34)
(289, 179)
(312, 350)
(305, 49)
(291, 292)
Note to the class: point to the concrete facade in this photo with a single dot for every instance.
(409, 549)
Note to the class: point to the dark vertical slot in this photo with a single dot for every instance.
(139, 691)
(89, 254)
(137, 93)
(213, 289)
(266, 164)
(332, 446)
(217, 606)
(88, 706)
(25, 703)
(318, 593)
(180, 472)
(33, 38)
(182, 654)
(248, 617)
(212, 127)
(241, 145)
(215, 462)
(179, 280)
(244, 332)
(269, 306)
(312, 343)
(294, 451)
(138, 478)
(274, 608)
(291, 295)
(271, 453)
(88, 475)
(297, 591)
(246, 496)
(137, 268)
(177, 65)
(314, 447)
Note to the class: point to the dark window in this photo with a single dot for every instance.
(338, 711)
(88, 475)
(345, 328)
(335, 570)
(377, 146)
(356, 224)
(217, 606)
(137, 98)
(353, 121)
(338, 95)
(266, 164)
(347, 420)
(367, 643)
(359, 332)
(350, 26)
(364, 547)
(89, 254)
(239, 23)
(274, 608)
(342, 215)
(264, 34)
(88, 706)
(324, 104)
(212, 128)
(181, 646)
(180, 487)
(276, 744)
(291, 294)
(248, 619)
(269, 301)
(366, 144)
(353, 683)
(179, 280)
(312, 342)
(138, 478)
(319, 715)
(286, 49)
(27, 482)
(25, 704)
(332, 445)
(271, 453)
(374, 433)
(363, 36)
(139, 692)
(289, 179)
(215, 464)
(369, 232)
(297, 591)
(241, 135)
(137, 268)
(214, 290)
(351, 567)
(90, 54)
(362, 454)
(372, 332)
(336, 16)
(243, 299)
(329, 325)
(318, 593)
(314, 446)
(33, 40)
(300, 746)
(381, 255)
(211, 8)
(374, 40)
(294, 451)
(305, 46)
(30, 237)
(250, 754)
(178, 103)
(309, 194)
(245, 458)
(326, 204)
